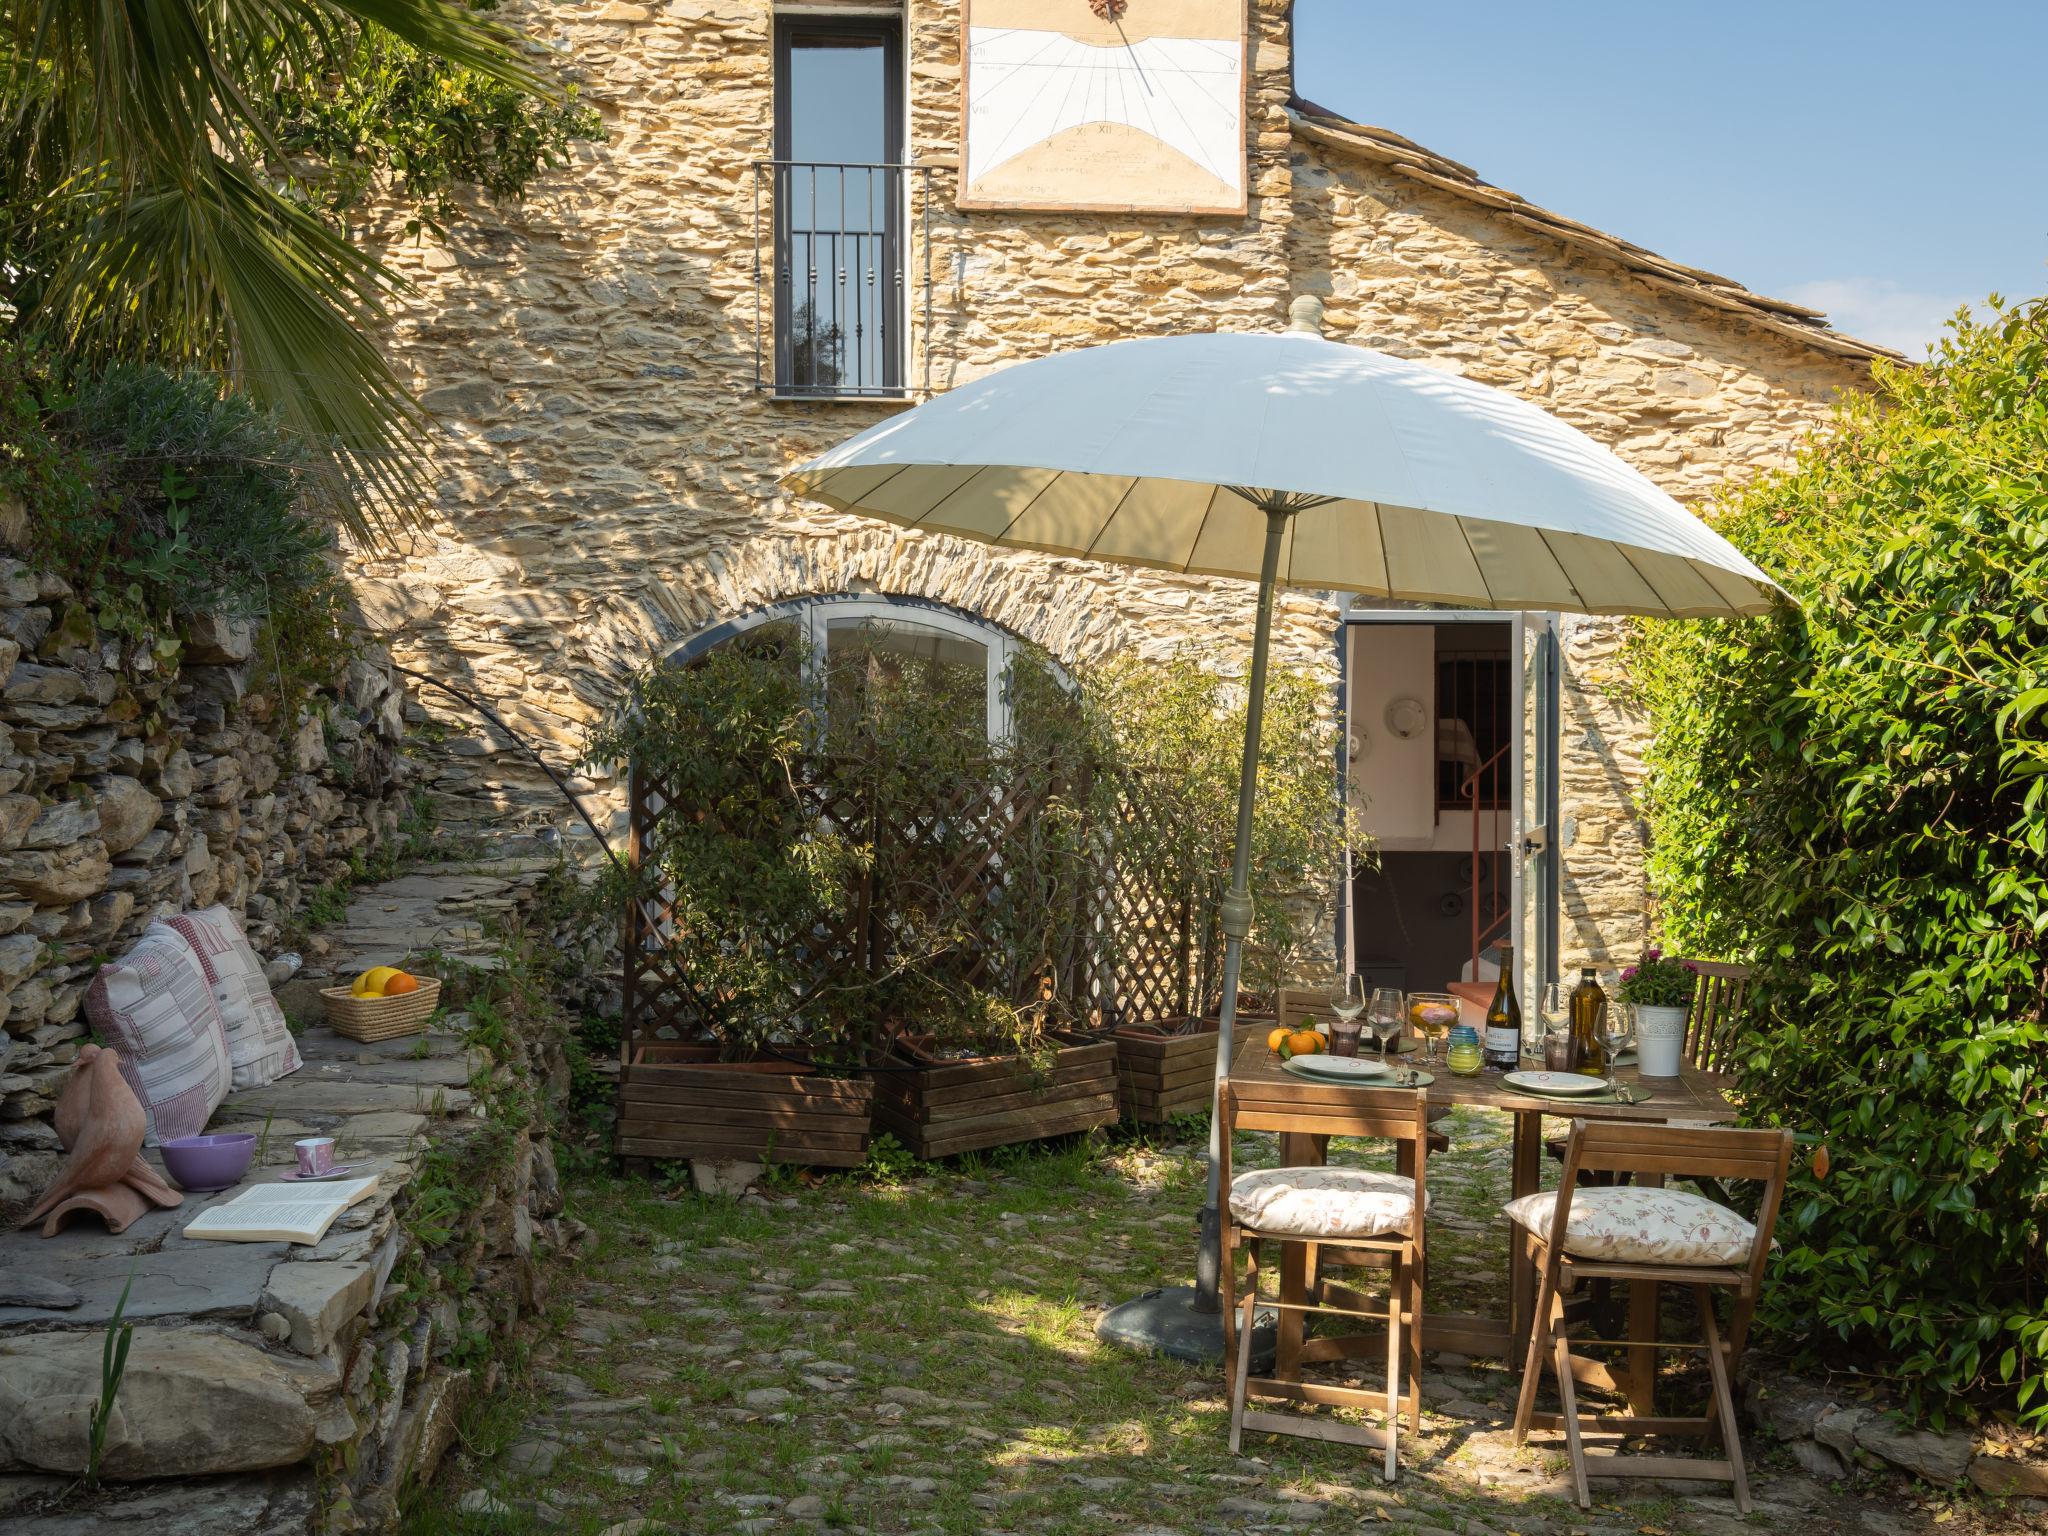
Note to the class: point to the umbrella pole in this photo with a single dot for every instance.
(1186, 1322)
(1237, 909)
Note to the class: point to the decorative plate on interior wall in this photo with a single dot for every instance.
(1126, 106)
(1406, 717)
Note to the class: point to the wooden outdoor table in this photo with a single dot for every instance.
(1694, 1098)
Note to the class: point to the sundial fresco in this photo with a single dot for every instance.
(1116, 105)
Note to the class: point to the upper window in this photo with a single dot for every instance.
(838, 207)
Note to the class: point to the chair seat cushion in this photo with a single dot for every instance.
(1323, 1202)
(1628, 1224)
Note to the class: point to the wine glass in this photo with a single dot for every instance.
(1432, 1014)
(1613, 1036)
(1347, 1002)
(1384, 1017)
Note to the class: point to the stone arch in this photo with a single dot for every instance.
(1068, 607)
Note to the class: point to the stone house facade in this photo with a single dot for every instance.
(608, 475)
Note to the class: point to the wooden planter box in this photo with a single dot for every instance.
(680, 1101)
(940, 1108)
(1163, 1070)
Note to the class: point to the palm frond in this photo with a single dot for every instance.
(139, 140)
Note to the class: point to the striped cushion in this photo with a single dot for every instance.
(154, 1008)
(259, 1043)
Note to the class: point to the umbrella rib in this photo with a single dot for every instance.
(1478, 566)
(1379, 521)
(1025, 511)
(1203, 526)
(1096, 538)
(974, 474)
(860, 504)
(1543, 537)
(1622, 550)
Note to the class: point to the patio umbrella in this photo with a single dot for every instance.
(1284, 459)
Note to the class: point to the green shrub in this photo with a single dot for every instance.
(1853, 798)
(865, 860)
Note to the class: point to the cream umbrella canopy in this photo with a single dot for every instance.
(1285, 459)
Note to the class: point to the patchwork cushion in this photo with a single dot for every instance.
(1323, 1202)
(1632, 1225)
(154, 1008)
(260, 1046)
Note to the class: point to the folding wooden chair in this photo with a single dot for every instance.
(1714, 1022)
(1634, 1232)
(1336, 1218)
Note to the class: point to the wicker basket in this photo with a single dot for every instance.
(381, 1018)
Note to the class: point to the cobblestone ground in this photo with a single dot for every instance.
(913, 1351)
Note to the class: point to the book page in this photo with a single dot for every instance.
(299, 1213)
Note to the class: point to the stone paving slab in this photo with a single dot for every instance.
(186, 1279)
(317, 1098)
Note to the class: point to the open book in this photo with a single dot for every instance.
(281, 1213)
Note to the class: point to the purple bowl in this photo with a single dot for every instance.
(202, 1163)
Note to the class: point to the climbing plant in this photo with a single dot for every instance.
(1853, 794)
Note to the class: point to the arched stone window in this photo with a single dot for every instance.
(833, 626)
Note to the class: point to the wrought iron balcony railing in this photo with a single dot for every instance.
(833, 287)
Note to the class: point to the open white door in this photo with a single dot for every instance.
(1542, 828)
(1449, 754)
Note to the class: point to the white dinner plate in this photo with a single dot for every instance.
(1336, 1068)
(1556, 1082)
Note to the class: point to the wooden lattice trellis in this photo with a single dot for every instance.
(1142, 946)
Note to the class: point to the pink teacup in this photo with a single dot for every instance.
(316, 1155)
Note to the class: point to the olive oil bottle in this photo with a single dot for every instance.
(1588, 1014)
(1504, 1019)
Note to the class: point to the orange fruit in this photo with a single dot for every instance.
(1304, 1042)
(1278, 1038)
(400, 984)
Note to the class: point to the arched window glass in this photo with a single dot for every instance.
(849, 638)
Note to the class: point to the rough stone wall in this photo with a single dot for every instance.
(128, 790)
(609, 474)
(283, 1388)
(1695, 398)
(608, 480)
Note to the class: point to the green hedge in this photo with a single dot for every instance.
(1852, 797)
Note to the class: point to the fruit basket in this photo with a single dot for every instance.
(373, 1016)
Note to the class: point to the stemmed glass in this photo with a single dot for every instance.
(1347, 1002)
(1385, 1017)
(1613, 1036)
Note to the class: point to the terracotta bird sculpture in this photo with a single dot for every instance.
(100, 1122)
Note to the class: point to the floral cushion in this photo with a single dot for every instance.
(1628, 1224)
(1323, 1202)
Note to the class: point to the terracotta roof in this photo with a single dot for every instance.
(1404, 157)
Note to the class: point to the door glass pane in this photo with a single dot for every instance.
(837, 213)
(887, 677)
(838, 98)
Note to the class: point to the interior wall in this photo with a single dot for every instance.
(1410, 917)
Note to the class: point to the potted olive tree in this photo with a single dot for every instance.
(747, 887)
(1176, 732)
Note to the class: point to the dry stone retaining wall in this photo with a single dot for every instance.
(129, 789)
(608, 484)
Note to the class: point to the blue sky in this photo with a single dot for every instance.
(1884, 161)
